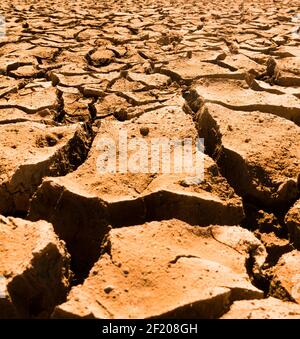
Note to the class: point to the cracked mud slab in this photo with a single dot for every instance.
(179, 274)
(269, 308)
(285, 277)
(30, 151)
(258, 153)
(236, 95)
(34, 269)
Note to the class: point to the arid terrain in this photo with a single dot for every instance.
(76, 242)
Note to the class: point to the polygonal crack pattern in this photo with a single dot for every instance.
(76, 242)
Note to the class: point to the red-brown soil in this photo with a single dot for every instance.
(76, 242)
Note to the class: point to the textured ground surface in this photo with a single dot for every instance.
(76, 242)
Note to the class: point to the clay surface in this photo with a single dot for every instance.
(101, 103)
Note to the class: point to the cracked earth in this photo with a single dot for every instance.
(76, 243)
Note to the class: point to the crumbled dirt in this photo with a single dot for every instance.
(73, 77)
(292, 220)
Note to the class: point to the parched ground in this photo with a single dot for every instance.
(76, 242)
